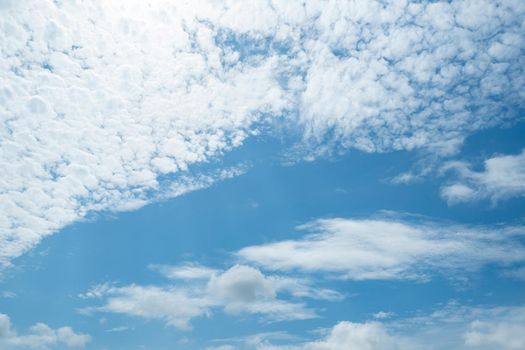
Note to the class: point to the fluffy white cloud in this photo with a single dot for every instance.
(389, 249)
(406, 75)
(41, 336)
(348, 335)
(106, 105)
(100, 101)
(505, 331)
(238, 290)
(503, 177)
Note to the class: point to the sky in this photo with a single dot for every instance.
(262, 175)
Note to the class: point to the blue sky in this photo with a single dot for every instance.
(262, 175)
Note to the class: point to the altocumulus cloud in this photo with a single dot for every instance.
(389, 249)
(41, 336)
(101, 101)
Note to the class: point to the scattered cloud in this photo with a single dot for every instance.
(348, 335)
(389, 249)
(452, 327)
(239, 290)
(502, 332)
(40, 336)
(471, 327)
(110, 105)
(503, 177)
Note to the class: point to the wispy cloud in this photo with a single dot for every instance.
(389, 249)
(239, 290)
(187, 271)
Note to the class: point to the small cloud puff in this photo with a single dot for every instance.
(503, 177)
(41, 336)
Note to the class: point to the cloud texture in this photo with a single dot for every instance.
(389, 249)
(240, 290)
(41, 336)
(105, 104)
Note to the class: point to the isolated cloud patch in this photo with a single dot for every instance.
(240, 290)
(41, 336)
(388, 249)
(503, 177)
(348, 335)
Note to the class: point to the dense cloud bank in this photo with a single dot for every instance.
(104, 104)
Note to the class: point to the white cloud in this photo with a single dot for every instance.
(238, 290)
(408, 75)
(465, 327)
(106, 105)
(188, 271)
(101, 100)
(175, 307)
(365, 336)
(452, 327)
(389, 249)
(41, 336)
(349, 335)
(502, 178)
(503, 331)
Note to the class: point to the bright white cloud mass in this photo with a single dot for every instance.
(106, 104)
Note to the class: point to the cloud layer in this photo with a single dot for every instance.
(106, 104)
(101, 101)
